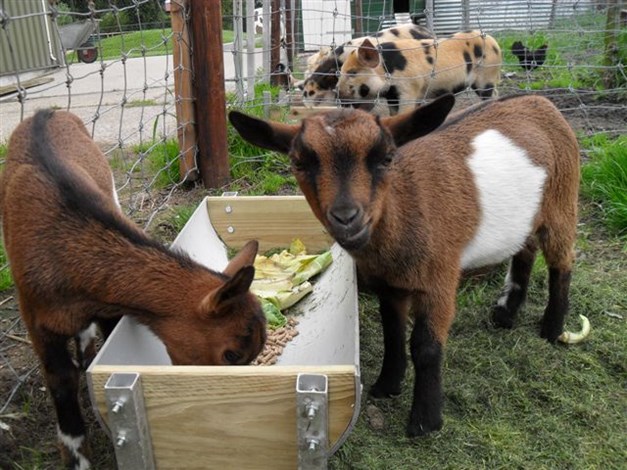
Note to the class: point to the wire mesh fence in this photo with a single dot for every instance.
(117, 73)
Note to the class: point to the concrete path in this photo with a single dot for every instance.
(97, 91)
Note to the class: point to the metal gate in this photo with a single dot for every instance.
(325, 22)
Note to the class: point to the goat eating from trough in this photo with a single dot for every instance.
(416, 199)
(77, 260)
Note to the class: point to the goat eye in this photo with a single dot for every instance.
(385, 162)
(305, 161)
(231, 357)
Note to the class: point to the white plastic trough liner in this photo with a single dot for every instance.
(242, 416)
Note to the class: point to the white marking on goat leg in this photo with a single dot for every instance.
(73, 444)
(508, 288)
(510, 191)
(87, 336)
(569, 337)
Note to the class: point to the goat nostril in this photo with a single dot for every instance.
(345, 215)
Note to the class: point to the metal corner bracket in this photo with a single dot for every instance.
(312, 421)
(128, 423)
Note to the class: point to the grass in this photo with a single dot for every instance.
(604, 179)
(179, 217)
(254, 170)
(162, 158)
(6, 280)
(511, 399)
(574, 56)
(151, 42)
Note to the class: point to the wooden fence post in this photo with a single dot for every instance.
(275, 41)
(611, 54)
(210, 99)
(181, 52)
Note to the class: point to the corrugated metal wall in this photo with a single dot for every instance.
(450, 16)
(27, 40)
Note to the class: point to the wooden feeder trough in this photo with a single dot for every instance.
(293, 414)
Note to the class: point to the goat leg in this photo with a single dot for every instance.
(393, 309)
(516, 284)
(426, 353)
(553, 319)
(62, 378)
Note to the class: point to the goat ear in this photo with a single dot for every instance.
(234, 287)
(423, 120)
(367, 54)
(245, 257)
(266, 134)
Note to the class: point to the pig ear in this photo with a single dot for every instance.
(367, 54)
(245, 257)
(237, 285)
(266, 134)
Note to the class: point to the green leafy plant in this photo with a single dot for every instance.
(604, 179)
(162, 158)
(254, 170)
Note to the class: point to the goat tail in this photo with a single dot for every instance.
(74, 192)
(42, 150)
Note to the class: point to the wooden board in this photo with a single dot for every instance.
(230, 417)
(241, 218)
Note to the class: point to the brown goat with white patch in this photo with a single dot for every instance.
(407, 71)
(416, 200)
(77, 260)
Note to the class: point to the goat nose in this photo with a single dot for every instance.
(344, 215)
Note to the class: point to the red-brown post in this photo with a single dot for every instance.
(182, 56)
(289, 34)
(275, 40)
(210, 104)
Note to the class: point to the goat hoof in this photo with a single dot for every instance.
(551, 330)
(424, 428)
(502, 318)
(549, 333)
(382, 391)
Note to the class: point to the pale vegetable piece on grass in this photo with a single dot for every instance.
(573, 338)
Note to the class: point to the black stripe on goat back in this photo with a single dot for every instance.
(393, 58)
(79, 198)
(474, 109)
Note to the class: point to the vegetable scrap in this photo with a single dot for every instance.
(281, 280)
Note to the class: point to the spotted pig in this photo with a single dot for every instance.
(323, 67)
(407, 71)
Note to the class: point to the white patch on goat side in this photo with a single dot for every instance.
(510, 190)
(73, 445)
(87, 336)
